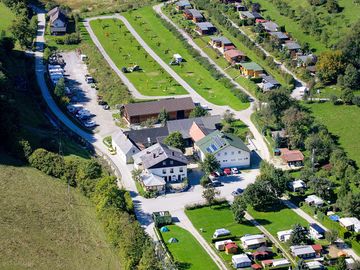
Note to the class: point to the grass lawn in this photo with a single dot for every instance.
(6, 18)
(343, 122)
(166, 44)
(40, 230)
(125, 51)
(216, 217)
(281, 218)
(187, 252)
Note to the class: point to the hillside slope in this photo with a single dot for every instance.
(39, 229)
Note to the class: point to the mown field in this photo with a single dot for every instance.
(188, 253)
(6, 17)
(39, 229)
(125, 51)
(208, 219)
(343, 122)
(336, 25)
(166, 44)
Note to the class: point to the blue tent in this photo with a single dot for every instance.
(173, 240)
(334, 217)
(164, 229)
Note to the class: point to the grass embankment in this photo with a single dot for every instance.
(41, 230)
(343, 122)
(6, 18)
(188, 253)
(125, 51)
(215, 217)
(166, 44)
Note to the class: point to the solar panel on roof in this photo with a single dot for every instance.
(213, 147)
(219, 141)
(209, 150)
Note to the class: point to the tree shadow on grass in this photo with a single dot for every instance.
(183, 265)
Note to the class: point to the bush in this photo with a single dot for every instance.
(47, 162)
(356, 100)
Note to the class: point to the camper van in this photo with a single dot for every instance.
(221, 232)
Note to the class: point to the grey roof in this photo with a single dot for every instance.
(154, 107)
(279, 35)
(151, 180)
(292, 45)
(269, 79)
(157, 153)
(240, 258)
(195, 13)
(57, 13)
(205, 25)
(270, 26)
(223, 40)
(301, 250)
(183, 3)
(184, 125)
(250, 15)
(310, 58)
(147, 136)
(123, 143)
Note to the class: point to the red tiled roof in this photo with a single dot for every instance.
(317, 247)
(256, 266)
(267, 262)
(257, 253)
(229, 47)
(291, 155)
(231, 245)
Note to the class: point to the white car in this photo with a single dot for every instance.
(89, 124)
(234, 171)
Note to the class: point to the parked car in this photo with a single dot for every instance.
(106, 107)
(213, 176)
(215, 183)
(234, 171)
(101, 102)
(227, 171)
(237, 192)
(89, 79)
(89, 124)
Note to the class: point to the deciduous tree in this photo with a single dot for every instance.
(175, 139)
(330, 64)
(210, 164)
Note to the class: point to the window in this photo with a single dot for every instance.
(171, 170)
(218, 154)
(164, 171)
(181, 169)
(232, 152)
(171, 162)
(239, 152)
(225, 153)
(233, 160)
(164, 162)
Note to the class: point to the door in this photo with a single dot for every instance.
(180, 114)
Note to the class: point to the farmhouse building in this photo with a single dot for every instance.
(292, 157)
(162, 160)
(124, 148)
(58, 21)
(228, 149)
(136, 113)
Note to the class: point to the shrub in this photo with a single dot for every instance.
(47, 162)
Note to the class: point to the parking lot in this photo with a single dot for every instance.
(85, 96)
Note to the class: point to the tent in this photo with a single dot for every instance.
(173, 240)
(164, 229)
(334, 217)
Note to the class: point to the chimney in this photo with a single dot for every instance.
(173, 153)
(154, 155)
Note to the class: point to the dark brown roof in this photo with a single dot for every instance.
(155, 107)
